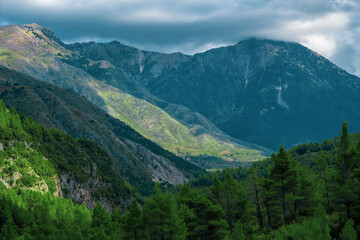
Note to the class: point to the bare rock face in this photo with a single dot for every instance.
(86, 192)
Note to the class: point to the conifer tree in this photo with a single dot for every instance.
(234, 200)
(133, 225)
(324, 168)
(238, 232)
(305, 192)
(117, 223)
(217, 188)
(101, 221)
(283, 175)
(161, 217)
(348, 232)
(203, 218)
(345, 190)
(267, 196)
(255, 193)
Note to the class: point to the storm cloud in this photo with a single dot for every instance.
(329, 27)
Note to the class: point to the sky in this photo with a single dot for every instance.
(329, 27)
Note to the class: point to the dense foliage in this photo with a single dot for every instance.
(312, 194)
(41, 155)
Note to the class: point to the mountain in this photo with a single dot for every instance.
(261, 91)
(136, 158)
(36, 51)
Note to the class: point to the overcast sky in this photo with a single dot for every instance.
(329, 27)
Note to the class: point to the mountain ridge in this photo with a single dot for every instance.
(247, 91)
(83, 82)
(135, 158)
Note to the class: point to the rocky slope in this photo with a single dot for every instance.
(35, 50)
(35, 158)
(261, 91)
(135, 158)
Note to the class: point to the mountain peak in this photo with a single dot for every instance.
(256, 40)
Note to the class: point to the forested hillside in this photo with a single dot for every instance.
(137, 159)
(33, 157)
(309, 192)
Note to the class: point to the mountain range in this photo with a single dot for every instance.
(176, 128)
(103, 140)
(260, 91)
(232, 103)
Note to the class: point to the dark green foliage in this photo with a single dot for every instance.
(28, 143)
(161, 218)
(284, 176)
(348, 232)
(316, 195)
(346, 178)
(238, 232)
(133, 226)
(313, 228)
(233, 200)
(254, 193)
(204, 219)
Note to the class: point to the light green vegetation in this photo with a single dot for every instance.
(158, 126)
(5, 35)
(8, 57)
(33, 157)
(27, 169)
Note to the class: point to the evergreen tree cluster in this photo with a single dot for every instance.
(312, 194)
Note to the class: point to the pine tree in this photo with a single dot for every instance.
(238, 232)
(255, 193)
(284, 176)
(217, 188)
(8, 230)
(267, 196)
(348, 232)
(204, 219)
(324, 168)
(101, 221)
(117, 223)
(345, 190)
(161, 217)
(234, 200)
(133, 225)
(305, 192)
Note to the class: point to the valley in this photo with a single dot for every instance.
(108, 141)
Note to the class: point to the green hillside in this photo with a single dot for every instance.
(158, 126)
(37, 158)
(283, 197)
(138, 160)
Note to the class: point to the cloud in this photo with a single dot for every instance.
(329, 27)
